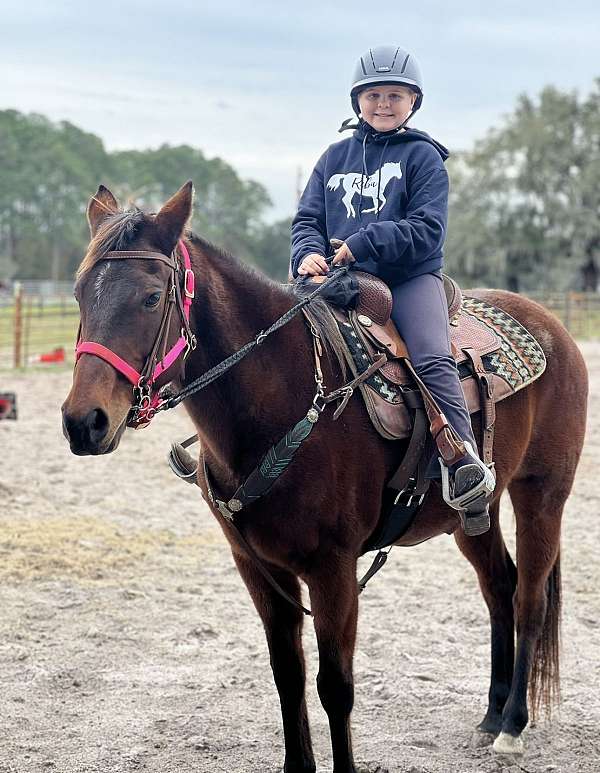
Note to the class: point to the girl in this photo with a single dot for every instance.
(384, 193)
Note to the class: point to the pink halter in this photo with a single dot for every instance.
(148, 403)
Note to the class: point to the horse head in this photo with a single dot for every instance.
(124, 310)
(391, 169)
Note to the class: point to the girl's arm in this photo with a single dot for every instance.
(309, 234)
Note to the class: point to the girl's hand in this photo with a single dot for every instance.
(313, 265)
(343, 256)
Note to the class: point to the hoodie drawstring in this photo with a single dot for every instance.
(363, 174)
(387, 142)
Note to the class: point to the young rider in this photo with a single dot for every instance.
(384, 193)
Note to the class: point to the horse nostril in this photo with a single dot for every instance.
(97, 424)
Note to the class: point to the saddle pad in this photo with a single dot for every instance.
(508, 351)
(519, 359)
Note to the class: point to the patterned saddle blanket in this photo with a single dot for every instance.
(508, 352)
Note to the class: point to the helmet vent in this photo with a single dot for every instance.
(405, 63)
(394, 60)
(362, 64)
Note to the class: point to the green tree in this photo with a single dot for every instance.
(525, 201)
(271, 248)
(227, 209)
(48, 172)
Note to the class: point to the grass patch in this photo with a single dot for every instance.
(88, 548)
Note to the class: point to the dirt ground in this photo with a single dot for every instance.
(128, 641)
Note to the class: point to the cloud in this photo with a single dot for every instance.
(265, 85)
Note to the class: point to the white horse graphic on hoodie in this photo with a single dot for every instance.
(373, 187)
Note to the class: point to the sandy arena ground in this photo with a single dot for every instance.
(128, 641)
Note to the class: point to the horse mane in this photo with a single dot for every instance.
(324, 322)
(320, 312)
(115, 233)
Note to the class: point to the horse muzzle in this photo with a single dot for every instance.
(89, 434)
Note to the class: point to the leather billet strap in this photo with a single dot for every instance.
(486, 402)
(416, 444)
(450, 445)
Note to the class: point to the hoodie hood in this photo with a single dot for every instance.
(365, 133)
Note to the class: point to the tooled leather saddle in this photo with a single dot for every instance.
(482, 336)
(495, 357)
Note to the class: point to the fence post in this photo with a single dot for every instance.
(18, 341)
(568, 301)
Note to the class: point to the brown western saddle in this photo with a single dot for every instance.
(374, 334)
(495, 357)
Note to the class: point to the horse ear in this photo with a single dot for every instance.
(102, 205)
(173, 217)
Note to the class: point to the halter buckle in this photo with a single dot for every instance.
(190, 342)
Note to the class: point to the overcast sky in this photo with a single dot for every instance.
(264, 84)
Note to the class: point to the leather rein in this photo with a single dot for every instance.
(147, 400)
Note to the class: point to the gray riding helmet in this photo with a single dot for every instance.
(386, 65)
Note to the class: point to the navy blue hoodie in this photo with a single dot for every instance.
(386, 195)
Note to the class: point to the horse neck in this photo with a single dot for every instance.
(387, 174)
(256, 401)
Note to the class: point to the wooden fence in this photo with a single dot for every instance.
(579, 312)
(38, 324)
(39, 318)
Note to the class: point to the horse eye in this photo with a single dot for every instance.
(152, 300)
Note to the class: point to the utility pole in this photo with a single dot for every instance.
(18, 324)
(298, 184)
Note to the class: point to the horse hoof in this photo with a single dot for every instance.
(480, 739)
(508, 744)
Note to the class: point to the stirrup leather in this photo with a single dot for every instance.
(482, 490)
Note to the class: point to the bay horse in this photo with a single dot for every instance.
(314, 522)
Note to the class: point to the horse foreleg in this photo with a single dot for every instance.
(538, 511)
(334, 599)
(497, 577)
(347, 199)
(372, 209)
(283, 629)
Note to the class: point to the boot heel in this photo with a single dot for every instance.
(475, 523)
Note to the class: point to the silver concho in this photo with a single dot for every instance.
(234, 505)
(364, 320)
(313, 415)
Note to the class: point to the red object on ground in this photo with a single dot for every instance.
(58, 355)
(8, 405)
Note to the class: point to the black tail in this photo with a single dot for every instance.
(544, 681)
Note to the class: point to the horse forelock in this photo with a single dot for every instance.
(116, 233)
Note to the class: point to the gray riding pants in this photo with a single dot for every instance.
(420, 311)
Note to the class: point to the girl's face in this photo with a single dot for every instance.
(386, 107)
